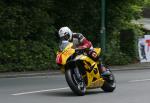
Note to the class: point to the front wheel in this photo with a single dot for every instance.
(109, 84)
(75, 81)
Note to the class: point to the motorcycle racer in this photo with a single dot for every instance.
(80, 42)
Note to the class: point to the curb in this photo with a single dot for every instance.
(58, 72)
(126, 69)
(28, 74)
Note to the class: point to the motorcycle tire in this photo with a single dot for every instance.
(109, 85)
(69, 74)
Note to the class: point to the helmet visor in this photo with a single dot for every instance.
(65, 37)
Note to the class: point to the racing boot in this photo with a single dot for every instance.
(104, 72)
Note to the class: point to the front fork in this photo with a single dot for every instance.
(78, 75)
(79, 81)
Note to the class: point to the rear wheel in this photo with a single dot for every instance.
(75, 81)
(109, 84)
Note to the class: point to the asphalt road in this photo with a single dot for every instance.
(132, 87)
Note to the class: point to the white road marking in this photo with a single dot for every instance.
(142, 80)
(32, 92)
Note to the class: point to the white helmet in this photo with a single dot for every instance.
(65, 33)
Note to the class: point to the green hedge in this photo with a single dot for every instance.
(113, 55)
(28, 30)
(129, 43)
(25, 56)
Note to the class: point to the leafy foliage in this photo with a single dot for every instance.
(31, 55)
(28, 29)
(26, 34)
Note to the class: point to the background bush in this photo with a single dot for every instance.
(28, 30)
(30, 56)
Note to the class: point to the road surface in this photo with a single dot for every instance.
(133, 86)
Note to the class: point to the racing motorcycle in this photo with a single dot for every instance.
(82, 72)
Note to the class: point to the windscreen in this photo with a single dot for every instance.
(63, 45)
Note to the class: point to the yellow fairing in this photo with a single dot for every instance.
(92, 71)
(97, 50)
(66, 53)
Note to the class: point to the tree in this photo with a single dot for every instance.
(84, 16)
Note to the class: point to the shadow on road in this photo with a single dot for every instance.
(59, 94)
(69, 93)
